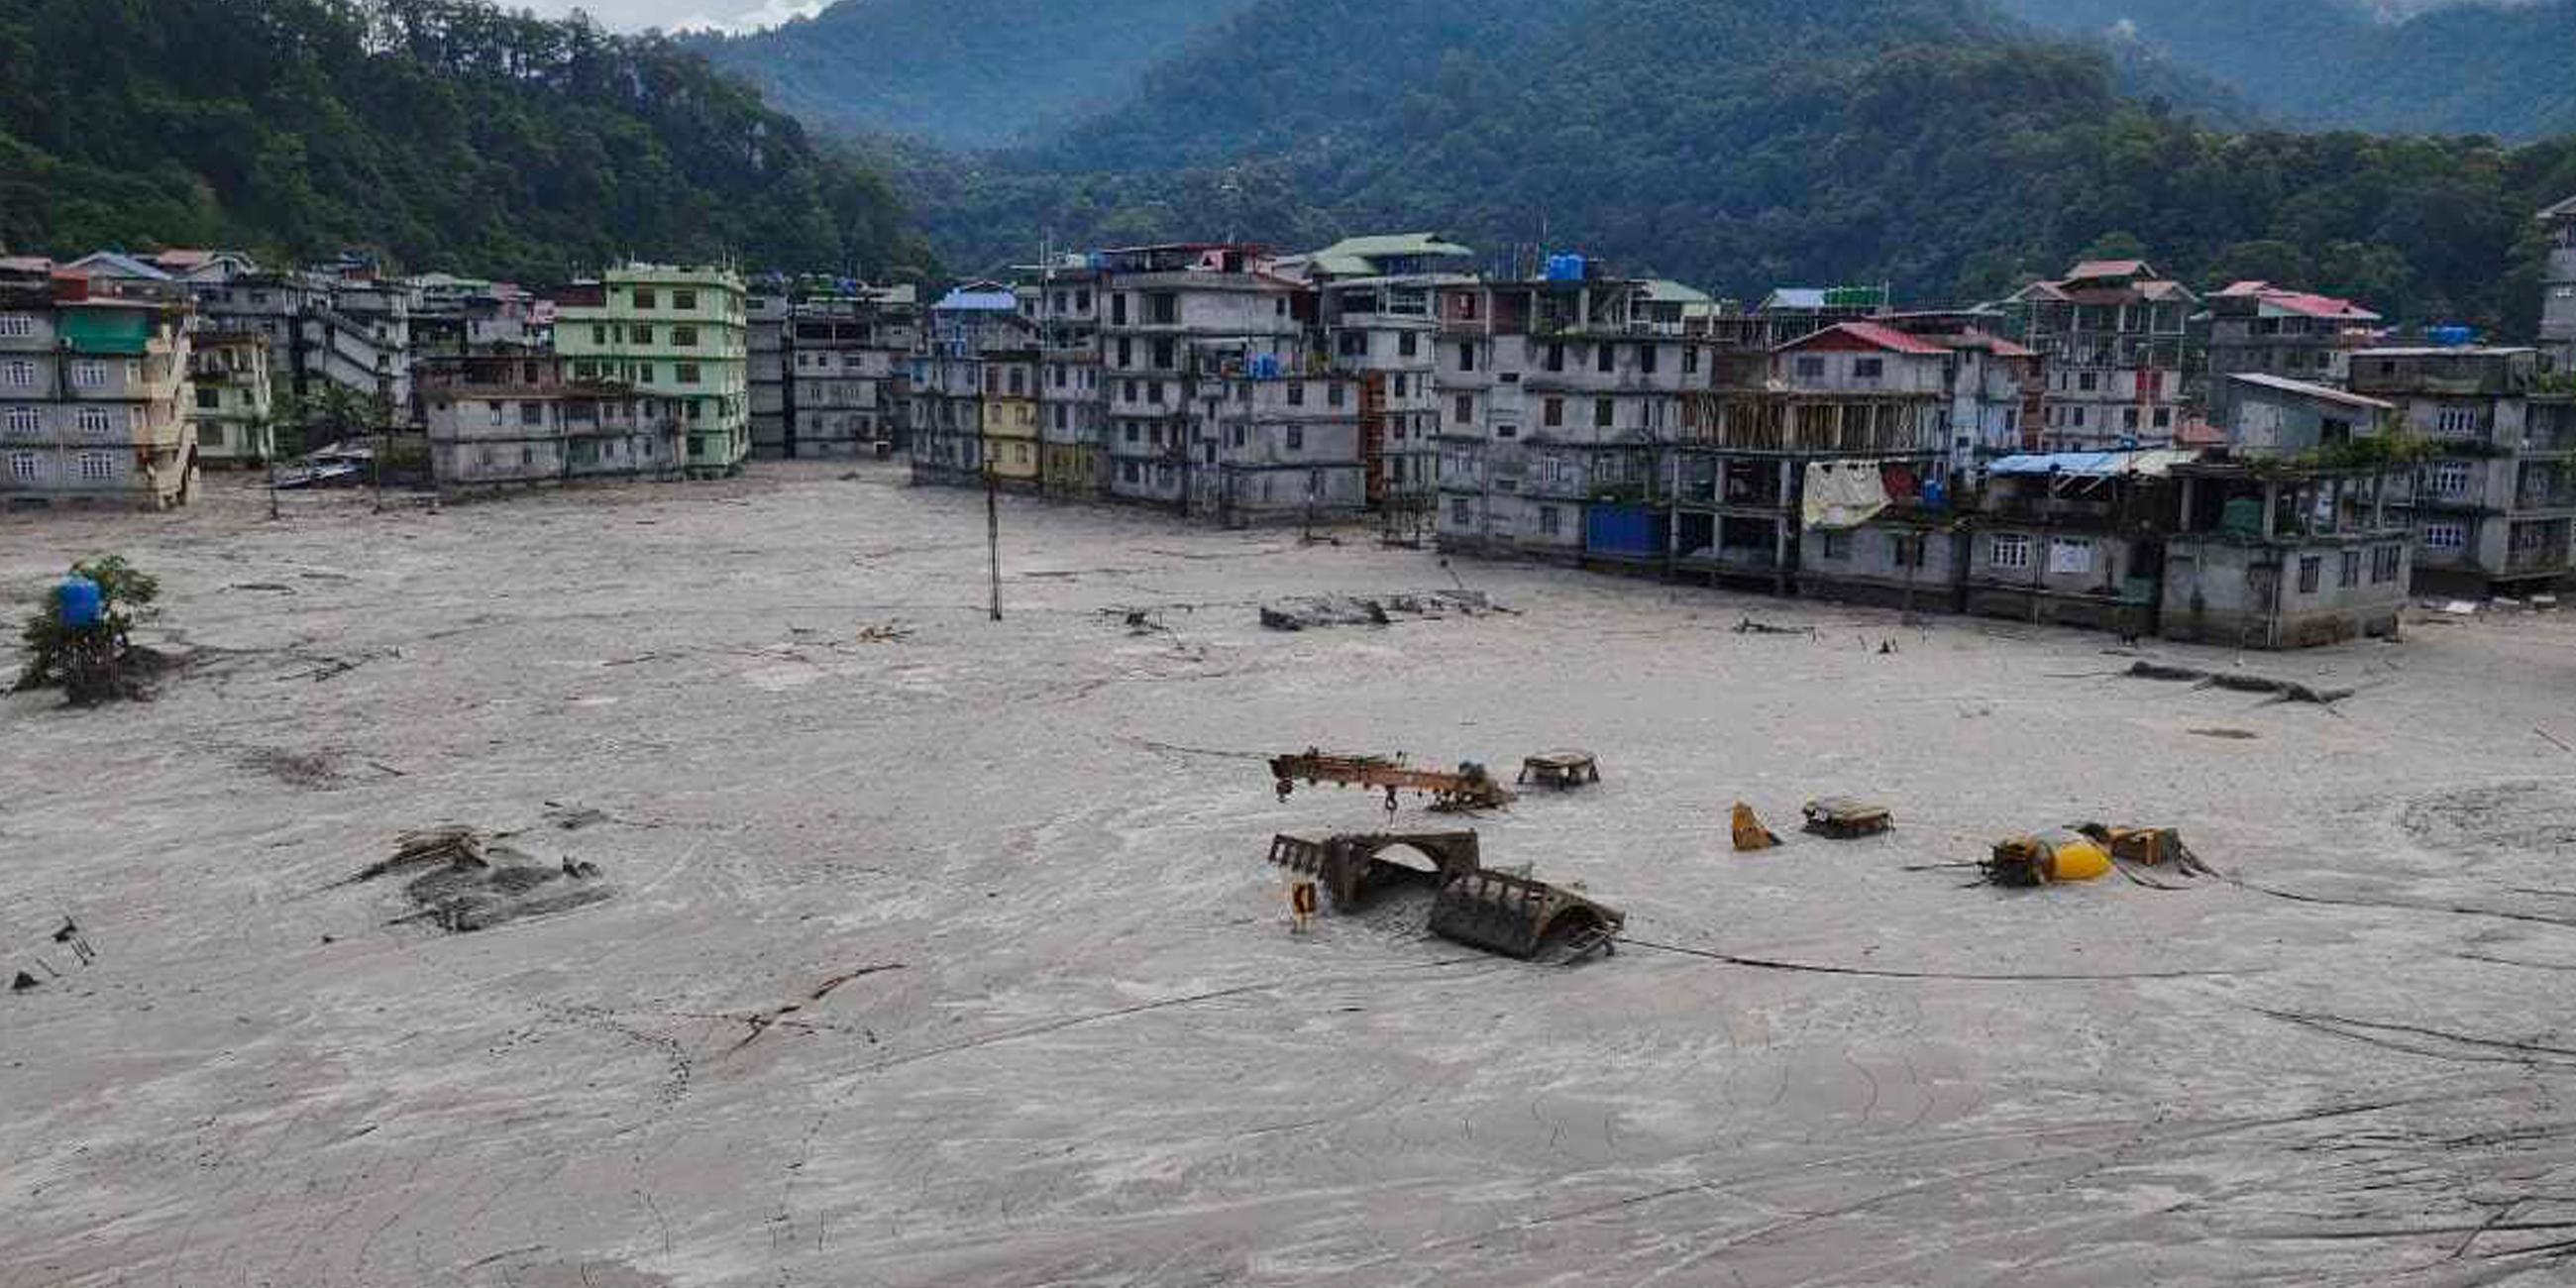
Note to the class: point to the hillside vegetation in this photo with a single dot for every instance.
(449, 134)
(1743, 144)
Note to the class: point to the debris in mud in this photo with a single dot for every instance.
(1751, 627)
(1750, 835)
(1563, 770)
(1353, 869)
(2239, 682)
(573, 818)
(1846, 818)
(462, 882)
(1312, 612)
(2031, 861)
(293, 768)
(2154, 847)
(1469, 788)
(2225, 735)
(887, 633)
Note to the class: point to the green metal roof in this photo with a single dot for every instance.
(1351, 256)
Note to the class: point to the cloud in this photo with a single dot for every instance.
(680, 15)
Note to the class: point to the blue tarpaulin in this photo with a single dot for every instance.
(2092, 464)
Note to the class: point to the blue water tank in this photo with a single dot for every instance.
(1565, 268)
(2453, 337)
(79, 602)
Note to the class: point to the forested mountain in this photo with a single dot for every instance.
(1743, 144)
(2463, 68)
(448, 133)
(966, 73)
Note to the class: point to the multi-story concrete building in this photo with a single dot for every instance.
(1557, 397)
(230, 398)
(93, 376)
(676, 335)
(2558, 285)
(498, 420)
(454, 316)
(2268, 330)
(1997, 389)
(829, 364)
(2493, 511)
(1183, 323)
(1378, 307)
(1008, 424)
(2115, 335)
(967, 327)
(1073, 458)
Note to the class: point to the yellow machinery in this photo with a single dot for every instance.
(2054, 859)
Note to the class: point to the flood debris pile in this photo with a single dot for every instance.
(2090, 852)
(2238, 682)
(1563, 770)
(463, 881)
(1513, 914)
(1846, 818)
(1314, 612)
(68, 938)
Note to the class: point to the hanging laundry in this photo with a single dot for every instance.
(1844, 494)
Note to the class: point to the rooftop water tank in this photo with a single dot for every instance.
(1565, 268)
(80, 603)
(2453, 337)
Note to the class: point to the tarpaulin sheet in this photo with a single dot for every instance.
(1844, 494)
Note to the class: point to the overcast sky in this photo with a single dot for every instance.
(672, 15)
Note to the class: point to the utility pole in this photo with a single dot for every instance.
(993, 531)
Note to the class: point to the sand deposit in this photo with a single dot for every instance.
(943, 952)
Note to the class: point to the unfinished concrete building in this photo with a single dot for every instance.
(2259, 328)
(2115, 335)
(829, 361)
(1189, 328)
(1379, 309)
(1858, 407)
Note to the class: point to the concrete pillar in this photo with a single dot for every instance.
(2271, 510)
(2189, 487)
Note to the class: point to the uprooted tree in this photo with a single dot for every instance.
(92, 662)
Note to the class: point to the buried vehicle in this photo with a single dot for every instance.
(1563, 770)
(1352, 868)
(1503, 912)
(2054, 859)
(1846, 818)
(1521, 916)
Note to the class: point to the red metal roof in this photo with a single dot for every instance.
(2304, 303)
(1873, 335)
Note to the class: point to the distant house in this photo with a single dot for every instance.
(2256, 327)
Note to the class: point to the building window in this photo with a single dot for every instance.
(599, 335)
(1869, 368)
(2456, 422)
(92, 420)
(16, 326)
(1690, 360)
(1467, 356)
(2312, 570)
(23, 420)
(1605, 412)
(1646, 359)
(1837, 545)
(1905, 551)
(96, 467)
(1507, 431)
(1811, 368)
(685, 301)
(2129, 418)
(1605, 357)
(1296, 438)
(2010, 550)
(1333, 393)
(23, 466)
(644, 297)
(532, 413)
(640, 334)
(20, 374)
(1459, 513)
(2451, 478)
(2445, 536)
(1296, 393)
(2349, 575)
(1464, 413)
(1548, 521)
(89, 373)
(2088, 382)
(2384, 562)
(1407, 345)
(1552, 413)
(686, 337)
(209, 398)
(2071, 556)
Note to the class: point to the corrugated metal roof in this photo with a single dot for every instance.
(2151, 463)
(1884, 337)
(2322, 393)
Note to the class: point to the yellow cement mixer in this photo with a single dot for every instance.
(2055, 858)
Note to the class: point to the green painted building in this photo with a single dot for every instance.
(677, 334)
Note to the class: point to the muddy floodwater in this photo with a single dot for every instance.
(855, 939)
